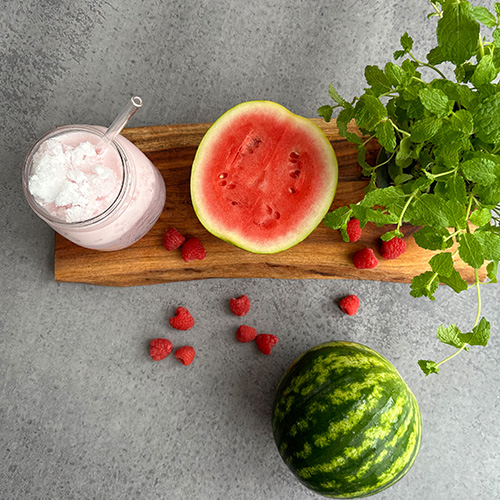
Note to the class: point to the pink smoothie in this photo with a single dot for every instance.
(102, 201)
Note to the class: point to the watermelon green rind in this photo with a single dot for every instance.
(345, 422)
(317, 208)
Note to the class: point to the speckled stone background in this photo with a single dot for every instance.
(84, 412)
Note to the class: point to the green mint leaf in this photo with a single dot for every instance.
(399, 53)
(489, 195)
(462, 94)
(372, 184)
(440, 189)
(450, 335)
(428, 367)
(492, 270)
(367, 168)
(490, 244)
(410, 94)
(480, 334)
(430, 210)
(377, 80)
(325, 112)
(450, 138)
(379, 217)
(336, 97)
(354, 138)
(483, 15)
(338, 218)
(396, 75)
(456, 213)
(462, 121)
(368, 112)
(425, 129)
(421, 183)
(406, 42)
(386, 136)
(392, 234)
(403, 155)
(410, 68)
(485, 72)
(435, 56)
(455, 188)
(496, 37)
(464, 72)
(487, 119)
(402, 178)
(343, 119)
(481, 168)
(390, 197)
(424, 284)
(415, 109)
(436, 101)
(442, 263)
(454, 281)
(480, 217)
(470, 250)
(458, 32)
(497, 9)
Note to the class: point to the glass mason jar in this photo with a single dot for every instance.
(138, 204)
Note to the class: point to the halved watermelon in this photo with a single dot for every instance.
(263, 178)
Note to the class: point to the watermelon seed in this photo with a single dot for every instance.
(231, 186)
(295, 174)
(294, 155)
(277, 215)
(223, 183)
(223, 175)
(292, 190)
(234, 203)
(269, 210)
(293, 160)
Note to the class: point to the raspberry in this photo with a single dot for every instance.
(349, 305)
(353, 230)
(240, 306)
(246, 333)
(365, 259)
(266, 342)
(173, 239)
(160, 348)
(392, 249)
(182, 319)
(185, 354)
(193, 249)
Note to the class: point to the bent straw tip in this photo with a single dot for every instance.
(136, 101)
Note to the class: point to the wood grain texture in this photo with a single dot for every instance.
(322, 255)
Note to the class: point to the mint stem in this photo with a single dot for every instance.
(438, 12)
(477, 283)
(403, 132)
(478, 315)
(451, 356)
(408, 201)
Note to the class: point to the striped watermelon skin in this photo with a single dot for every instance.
(345, 422)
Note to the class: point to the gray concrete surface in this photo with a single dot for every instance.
(84, 412)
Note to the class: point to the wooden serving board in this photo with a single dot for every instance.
(322, 255)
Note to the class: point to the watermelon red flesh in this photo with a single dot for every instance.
(345, 422)
(263, 178)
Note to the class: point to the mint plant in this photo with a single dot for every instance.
(439, 166)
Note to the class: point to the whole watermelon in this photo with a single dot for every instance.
(345, 422)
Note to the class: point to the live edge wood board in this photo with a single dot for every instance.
(323, 255)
